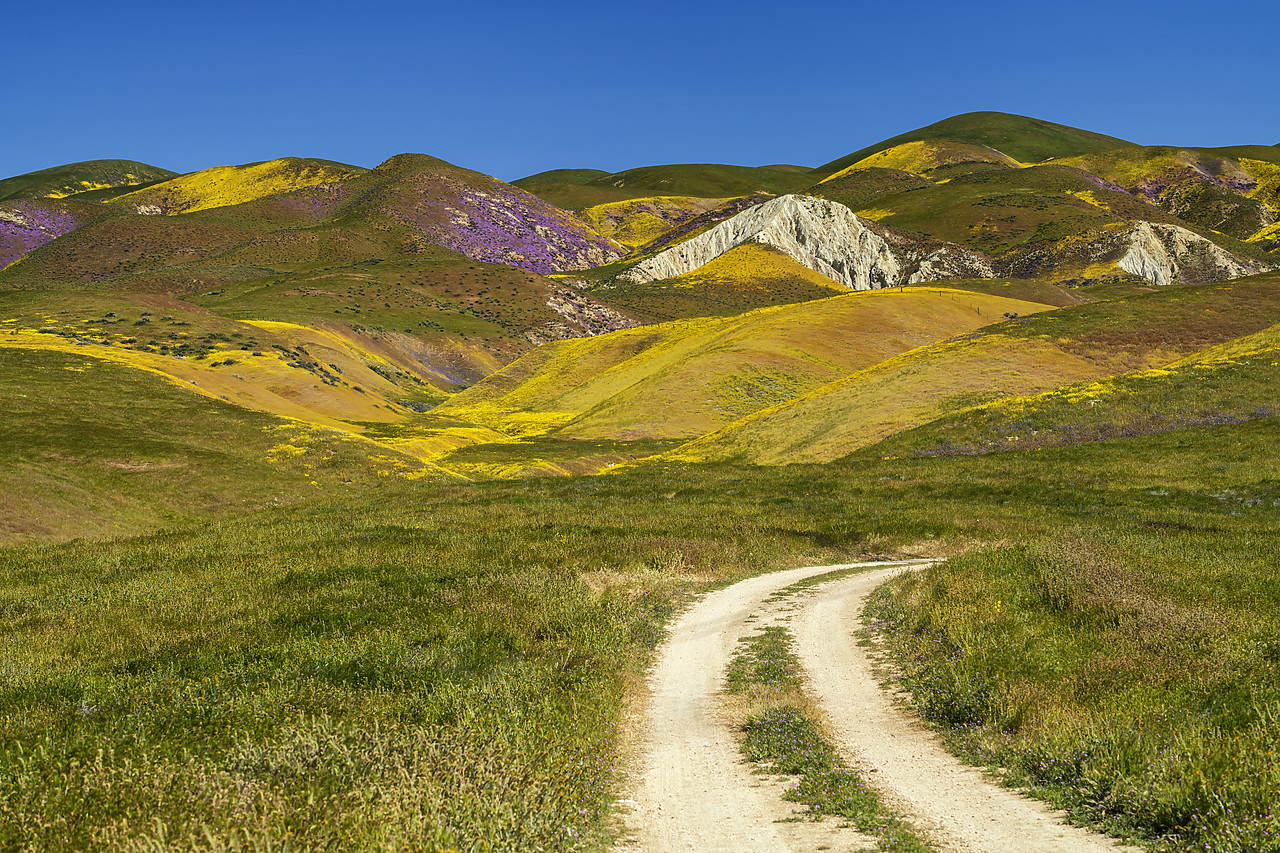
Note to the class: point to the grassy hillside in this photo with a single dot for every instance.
(859, 188)
(744, 278)
(683, 379)
(226, 185)
(700, 180)
(934, 159)
(99, 448)
(1236, 197)
(363, 253)
(1027, 140)
(560, 176)
(1016, 358)
(327, 375)
(639, 221)
(60, 181)
(1229, 383)
(443, 667)
(996, 211)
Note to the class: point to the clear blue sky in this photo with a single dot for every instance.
(515, 88)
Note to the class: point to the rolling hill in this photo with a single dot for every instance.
(1027, 140)
(75, 178)
(344, 508)
(579, 189)
(1025, 355)
(684, 378)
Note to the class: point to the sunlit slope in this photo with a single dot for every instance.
(226, 185)
(859, 188)
(933, 159)
(701, 180)
(746, 277)
(1028, 140)
(1237, 196)
(61, 181)
(100, 448)
(1014, 358)
(323, 375)
(638, 221)
(1226, 384)
(686, 378)
(997, 211)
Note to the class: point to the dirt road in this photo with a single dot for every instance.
(692, 790)
(953, 804)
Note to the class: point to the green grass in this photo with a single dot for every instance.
(779, 734)
(1026, 139)
(701, 180)
(90, 448)
(331, 662)
(862, 188)
(1129, 677)
(996, 211)
(75, 178)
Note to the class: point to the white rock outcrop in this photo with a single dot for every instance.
(951, 262)
(1167, 254)
(823, 235)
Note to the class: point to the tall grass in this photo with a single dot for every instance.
(441, 666)
(1131, 676)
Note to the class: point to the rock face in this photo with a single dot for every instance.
(1168, 254)
(823, 235)
(951, 261)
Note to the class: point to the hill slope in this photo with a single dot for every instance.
(1025, 356)
(683, 379)
(699, 180)
(60, 181)
(227, 185)
(1028, 140)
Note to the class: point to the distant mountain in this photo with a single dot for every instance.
(575, 190)
(227, 185)
(630, 311)
(62, 181)
(1028, 140)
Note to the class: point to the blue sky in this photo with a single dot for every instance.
(515, 88)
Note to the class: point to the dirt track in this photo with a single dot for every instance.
(955, 805)
(692, 790)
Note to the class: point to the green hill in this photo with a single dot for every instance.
(222, 186)
(700, 180)
(1028, 140)
(684, 378)
(96, 448)
(1226, 384)
(1012, 359)
(73, 178)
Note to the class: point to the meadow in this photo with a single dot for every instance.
(443, 666)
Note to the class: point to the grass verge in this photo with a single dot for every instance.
(780, 733)
(1131, 678)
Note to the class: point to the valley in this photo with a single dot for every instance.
(349, 508)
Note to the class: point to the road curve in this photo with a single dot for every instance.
(953, 804)
(692, 790)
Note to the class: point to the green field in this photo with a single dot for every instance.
(344, 508)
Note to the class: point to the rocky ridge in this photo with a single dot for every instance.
(1168, 254)
(823, 235)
